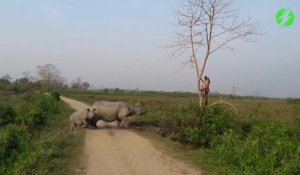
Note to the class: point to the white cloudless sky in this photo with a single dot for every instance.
(115, 43)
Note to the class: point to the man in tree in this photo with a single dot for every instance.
(205, 27)
(205, 89)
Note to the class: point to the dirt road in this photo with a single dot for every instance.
(112, 151)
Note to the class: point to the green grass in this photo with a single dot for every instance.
(40, 148)
(71, 155)
(264, 109)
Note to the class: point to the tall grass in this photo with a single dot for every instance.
(265, 109)
(38, 140)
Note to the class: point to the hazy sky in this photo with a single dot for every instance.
(119, 43)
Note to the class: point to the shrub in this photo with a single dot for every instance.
(48, 105)
(216, 121)
(11, 137)
(190, 126)
(38, 142)
(267, 149)
(55, 96)
(35, 118)
(28, 97)
(253, 147)
(190, 135)
(7, 114)
(42, 110)
(173, 124)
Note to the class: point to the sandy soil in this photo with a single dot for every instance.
(112, 151)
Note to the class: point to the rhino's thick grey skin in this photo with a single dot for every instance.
(117, 111)
(80, 118)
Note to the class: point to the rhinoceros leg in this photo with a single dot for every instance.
(123, 119)
(126, 121)
(73, 125)
(85, 124)
(119, 122)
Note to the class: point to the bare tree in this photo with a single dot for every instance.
(50, 76)
(85, 85)
(27, 75)
(79, 84)
(205, 27)
(6, 79)
(26, 79)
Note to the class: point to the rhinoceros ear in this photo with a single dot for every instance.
(94, 109)
(88, 109)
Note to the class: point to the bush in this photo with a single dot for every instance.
(35, 118)
(190, 135)
(216, 121)
(190, 126)
(11, 137)
(37, 144)
(173, 124)
(55, 96)
(44, 151)
(267, 149)
(42, 110)
(48, 105)
(253, 147)
(28, 97)
(7, 114)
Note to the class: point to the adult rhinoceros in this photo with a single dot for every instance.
(116, 111)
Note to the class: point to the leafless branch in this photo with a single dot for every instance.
(206, 26)
(223, 102)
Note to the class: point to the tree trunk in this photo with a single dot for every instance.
(199, 93)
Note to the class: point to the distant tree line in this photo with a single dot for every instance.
(48, 78)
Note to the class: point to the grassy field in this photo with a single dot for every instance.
(278, 110)
(261, 137)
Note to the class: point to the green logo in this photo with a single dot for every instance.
(285, 17)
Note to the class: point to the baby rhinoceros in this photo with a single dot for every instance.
(80, 118)
(117, 111)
